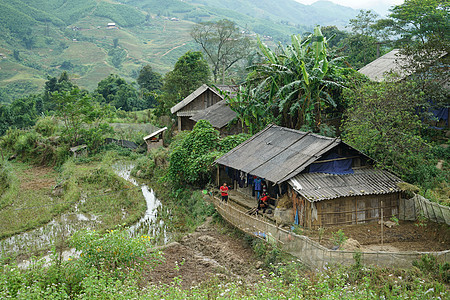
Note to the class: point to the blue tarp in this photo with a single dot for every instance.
(440, 114)
(337, 167)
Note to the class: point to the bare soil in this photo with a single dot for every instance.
(203, 255)
(37, 178)
(407, 236)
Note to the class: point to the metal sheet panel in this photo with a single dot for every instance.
(219, 114)
(366, 181)
(277, 153)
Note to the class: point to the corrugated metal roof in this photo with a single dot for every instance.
(390, 62)
(366, 181)
(155, 133)
(278, 153)
(219, 114)
(192, 97)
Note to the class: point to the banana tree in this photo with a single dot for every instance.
(298, 74)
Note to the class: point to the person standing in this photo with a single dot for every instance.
(224, 192)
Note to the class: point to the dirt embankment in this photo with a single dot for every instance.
(204, 254)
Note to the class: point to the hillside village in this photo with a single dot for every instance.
(221, 159)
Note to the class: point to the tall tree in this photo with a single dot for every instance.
(150, 83)
(364, 43)
(53, 84)
(424, 30)
(190, 72)
(223, 44)
(296, 80)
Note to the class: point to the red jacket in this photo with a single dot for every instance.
(224, 190)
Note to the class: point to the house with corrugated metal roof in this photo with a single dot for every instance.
(394, 62)
(206, 103)
(326, 181)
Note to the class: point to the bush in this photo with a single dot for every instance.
(193, 155)
(8, 184)
(112, 251)
(338, 238)
(144, 167)
(429, 265)
(46, 126)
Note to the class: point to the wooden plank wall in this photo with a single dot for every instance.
(349, 210)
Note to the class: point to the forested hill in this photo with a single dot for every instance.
(287, 11)
(40, 38)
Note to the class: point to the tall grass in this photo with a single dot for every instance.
(9, 186)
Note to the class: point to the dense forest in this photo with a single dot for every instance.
(307, 82)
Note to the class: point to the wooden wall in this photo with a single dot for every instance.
(346, 210)
(203, 101)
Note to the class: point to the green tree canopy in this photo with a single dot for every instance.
(424, 30)
(150, 83)
(190, 72)
(116, 91)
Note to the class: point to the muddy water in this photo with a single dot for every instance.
(44, 237)
(149, 224)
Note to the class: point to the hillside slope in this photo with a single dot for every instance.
(41, 38)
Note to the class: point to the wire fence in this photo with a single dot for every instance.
(310, 252)
(419, 207)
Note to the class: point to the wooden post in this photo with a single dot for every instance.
(382, 237)
(356, 210)
(218, 175)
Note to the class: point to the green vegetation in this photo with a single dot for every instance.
(108, 265)
(177, 85)
(339, 238)
(88, 277)
(105, 195)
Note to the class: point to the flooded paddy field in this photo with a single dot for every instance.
(39, 240)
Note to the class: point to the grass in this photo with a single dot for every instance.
(94, 186)
(31, 204)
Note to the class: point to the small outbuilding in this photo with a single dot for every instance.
(325, 181)
(155, 139)
(79, 151)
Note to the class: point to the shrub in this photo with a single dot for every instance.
(429, 265)
(46, 126)
(112, 251)
(8, 184)
(338, 238)
(144, 167)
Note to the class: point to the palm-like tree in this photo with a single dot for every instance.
(295, 80)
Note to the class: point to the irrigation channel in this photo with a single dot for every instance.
(42, 238)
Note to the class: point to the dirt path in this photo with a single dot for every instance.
(204, 254)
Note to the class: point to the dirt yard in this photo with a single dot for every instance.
(407, 236)
(204, 254)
